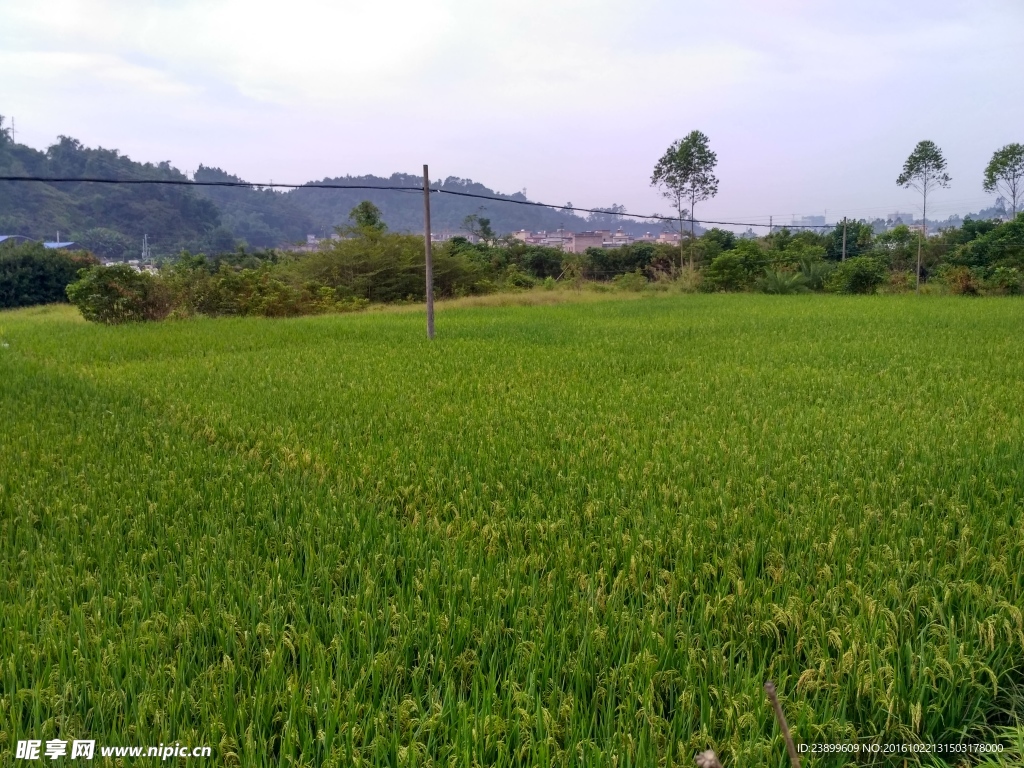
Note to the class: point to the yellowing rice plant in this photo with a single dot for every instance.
(571, 535)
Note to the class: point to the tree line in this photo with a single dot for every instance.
(372, 265)
(685, 174)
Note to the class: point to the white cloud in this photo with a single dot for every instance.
(810, 105)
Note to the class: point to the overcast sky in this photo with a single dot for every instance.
(811, 105)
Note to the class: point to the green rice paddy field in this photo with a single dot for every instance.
(582, 534)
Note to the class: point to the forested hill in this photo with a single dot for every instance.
(107, 219)
(258, 217)
(403, 211)
(111, 220)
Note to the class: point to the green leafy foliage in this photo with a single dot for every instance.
(781, 282)
(261, 218)
(31, 274)
(632, 281)
(924, 169)
(962, 281)
(737, 269)
(607, 263)
(118, 294)
(1005, 173)
(685, 175)
(366, 220)
(993, 246)
(815, 272)
(172, 217)
(861, 274)
(898, 247)
(715, 240)
(726, 273)
(859, 237)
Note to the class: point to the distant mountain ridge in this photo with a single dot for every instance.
(111, 220)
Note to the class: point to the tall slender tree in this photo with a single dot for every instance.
(1005, 173)
(925, 171)
(685, 174)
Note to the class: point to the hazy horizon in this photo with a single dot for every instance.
(811, 107)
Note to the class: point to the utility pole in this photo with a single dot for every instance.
(429, 255)
(844, 238)
(920, 240)
(770, 225)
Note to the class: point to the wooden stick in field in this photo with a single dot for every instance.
(769, 688)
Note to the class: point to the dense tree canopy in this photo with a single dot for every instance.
(110, 219)
(1005, 173)
(685, 175)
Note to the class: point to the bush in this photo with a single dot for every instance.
(961, 281)
(549, 283)
(257, 292)
(387, 267)
(726, 273)
(815, 272)
(631, 281)
(861, 274)
(119, 294)
(514, 277)
(780, 283)
(32, 274)
(900, 281)
(1006, 281)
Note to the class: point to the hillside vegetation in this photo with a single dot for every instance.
(111, 220)
(106, 219)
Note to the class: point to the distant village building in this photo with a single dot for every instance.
(579, 242)
(583, 240)
(809, 221)
(312, 244)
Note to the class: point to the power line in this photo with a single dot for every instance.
(315, 185)
(189, 183)
(391, 188)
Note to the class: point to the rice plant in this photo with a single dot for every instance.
(559, 535)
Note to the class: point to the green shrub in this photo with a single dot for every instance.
(549, 283)
(725, 273)
(780, 282)
(515, 277)
(861, 274)
(1006, 281)
(631, 281)
(33, 274)
(900, 281)
(815, 272)
(119, 294)
(962, 281)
